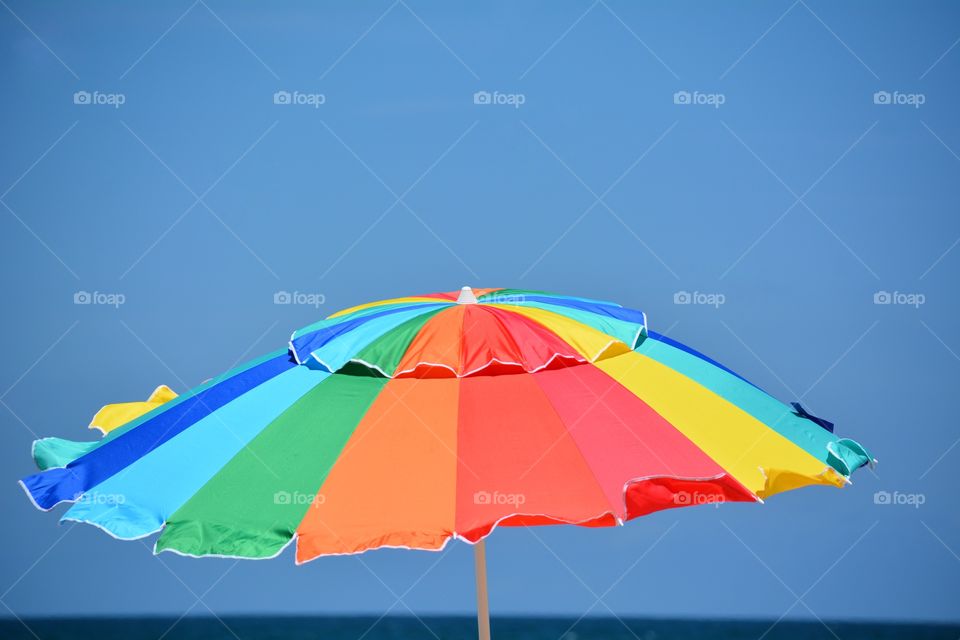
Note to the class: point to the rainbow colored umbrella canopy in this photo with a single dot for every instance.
(411, 421)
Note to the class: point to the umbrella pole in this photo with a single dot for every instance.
(483, 603)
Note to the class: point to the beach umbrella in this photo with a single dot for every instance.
(409, 422)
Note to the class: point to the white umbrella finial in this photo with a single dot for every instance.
(466, 296)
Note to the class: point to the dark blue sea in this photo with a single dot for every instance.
(449, 628)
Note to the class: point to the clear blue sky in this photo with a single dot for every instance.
(797, 199)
